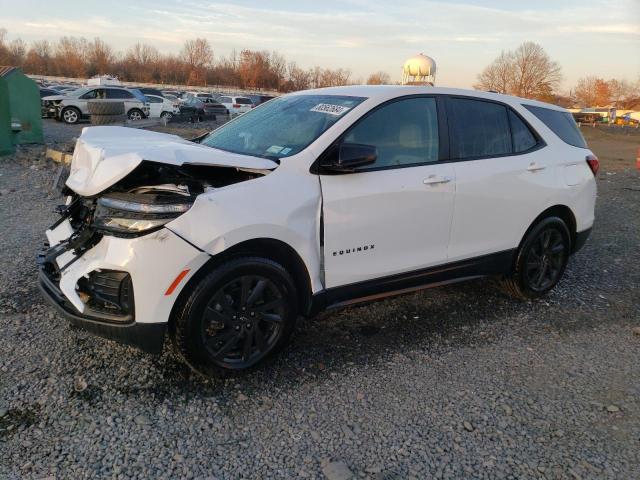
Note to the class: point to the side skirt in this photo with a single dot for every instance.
(493, 264)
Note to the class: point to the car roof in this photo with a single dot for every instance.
(386, 92)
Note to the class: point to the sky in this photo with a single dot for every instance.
(587, 37)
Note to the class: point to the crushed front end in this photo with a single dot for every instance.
(111, 263)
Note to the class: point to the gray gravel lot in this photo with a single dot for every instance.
(456, 382)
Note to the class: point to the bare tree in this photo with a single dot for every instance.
(592, 91)
(70, 57)
(526, 72)
(623, 94)
(100, 57)
(499, 75)
(198, 55)
(379, 78)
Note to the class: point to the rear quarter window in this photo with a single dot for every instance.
(560, 123)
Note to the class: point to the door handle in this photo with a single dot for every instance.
(436, 179)
(534, 167)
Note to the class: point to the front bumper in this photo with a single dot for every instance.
(149, 263)
(148, 337)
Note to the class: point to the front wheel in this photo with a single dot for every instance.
(167, 115)
(236, 316)
(71, 115)
(541, 260)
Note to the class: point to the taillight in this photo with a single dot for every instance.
(594, 164)
(236, 105)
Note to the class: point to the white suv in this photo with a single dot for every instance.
(314, 200)
(236, 105)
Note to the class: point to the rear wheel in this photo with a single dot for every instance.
(135, 114)
(541, 260)
(236, 316)
(167, 115)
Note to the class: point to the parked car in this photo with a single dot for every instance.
(160, 107)
(236, 105)
(150, 91)
(72, 107)
(45, 110)
(259, 99)
(193, 108)
(213, 107)
(317, 199)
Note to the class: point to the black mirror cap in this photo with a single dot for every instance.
(347, 157)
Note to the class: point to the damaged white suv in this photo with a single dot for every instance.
(313, 200)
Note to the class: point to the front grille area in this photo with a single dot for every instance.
(108, 292)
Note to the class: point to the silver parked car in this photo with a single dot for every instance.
(72, 107)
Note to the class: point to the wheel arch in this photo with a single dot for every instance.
(561, 211)
(270, 248)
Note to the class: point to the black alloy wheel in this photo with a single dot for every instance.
(234, 316)
(540, 261)
(545, 261)
(243, 321)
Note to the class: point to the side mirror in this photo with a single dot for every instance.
(348, 157)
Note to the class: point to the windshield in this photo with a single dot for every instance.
(283, 126)
(138, 94)
(79, 91)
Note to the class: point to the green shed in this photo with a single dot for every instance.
(20, 113)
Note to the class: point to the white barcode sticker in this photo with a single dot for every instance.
(336, 110)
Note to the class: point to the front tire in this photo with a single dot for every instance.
(541, 261)
(70, 115)
(237, 315)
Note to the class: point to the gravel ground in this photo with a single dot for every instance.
(456, 382)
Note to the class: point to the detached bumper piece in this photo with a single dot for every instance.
(109, 308)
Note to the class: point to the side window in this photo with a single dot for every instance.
(116, 93)
(89, 95)
(225, 99)
(561, 123)
(523, 139)
(404, 132)
(153, 99)
(479, 129)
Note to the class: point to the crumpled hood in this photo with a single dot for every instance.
(105, 155)
(53, 98)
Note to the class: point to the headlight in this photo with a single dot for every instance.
(134, 214)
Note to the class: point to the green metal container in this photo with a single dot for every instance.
(20, 112)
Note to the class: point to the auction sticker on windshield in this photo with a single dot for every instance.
(336, 110)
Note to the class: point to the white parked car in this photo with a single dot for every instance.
(160, 107)
(315, 200)
(236, 105)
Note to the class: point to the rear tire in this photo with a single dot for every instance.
(236, 316)
(541, 261)
(135, 114)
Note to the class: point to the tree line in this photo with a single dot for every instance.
(529, 72)
(194, 65)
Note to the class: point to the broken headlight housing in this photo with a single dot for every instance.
(132, 214)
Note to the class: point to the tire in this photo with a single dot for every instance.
(167, 115)
(105, 108)
(135, 114)
(541, 260)
(108, 119)
(70, 115)
(235, 317)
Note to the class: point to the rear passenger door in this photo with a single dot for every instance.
(503, 180)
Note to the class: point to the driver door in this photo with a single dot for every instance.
(392, 216)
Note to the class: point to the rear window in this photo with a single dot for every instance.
(560, 123)
(523, 139)
(243, 101)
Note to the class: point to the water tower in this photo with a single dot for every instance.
(419, 70)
